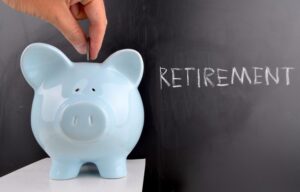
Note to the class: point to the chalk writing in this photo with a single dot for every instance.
(217, 77)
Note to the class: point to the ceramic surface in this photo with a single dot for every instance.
(85, 112)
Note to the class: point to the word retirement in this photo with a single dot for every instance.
(211, 77)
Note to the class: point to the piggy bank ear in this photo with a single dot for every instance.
(128, 62)
(40, 61)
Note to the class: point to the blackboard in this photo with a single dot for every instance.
(238, 137)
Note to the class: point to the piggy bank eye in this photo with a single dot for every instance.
(76, 90)
(93, 89)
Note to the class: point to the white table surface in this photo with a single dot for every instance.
(34, 178)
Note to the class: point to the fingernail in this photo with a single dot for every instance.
(95, 57)
(81, 48)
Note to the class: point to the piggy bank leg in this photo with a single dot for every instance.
(112, 168)
(64, 169)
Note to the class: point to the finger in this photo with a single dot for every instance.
(96, 15)
(69, 27)
(78, 12)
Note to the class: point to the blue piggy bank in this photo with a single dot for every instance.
(85, 112)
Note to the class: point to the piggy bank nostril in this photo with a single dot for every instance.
(75, 120)
(90, 120)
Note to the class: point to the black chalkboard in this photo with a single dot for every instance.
(241, 136)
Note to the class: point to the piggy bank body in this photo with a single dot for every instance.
(84, 112)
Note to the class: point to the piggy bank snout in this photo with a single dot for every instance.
(83, 121)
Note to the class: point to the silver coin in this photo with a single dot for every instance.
(88, 49)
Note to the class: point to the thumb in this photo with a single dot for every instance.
(70, 28)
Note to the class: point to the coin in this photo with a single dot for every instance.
(88, 49)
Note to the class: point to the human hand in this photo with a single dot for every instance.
(64, 15)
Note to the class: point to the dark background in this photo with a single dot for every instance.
(233, 139)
